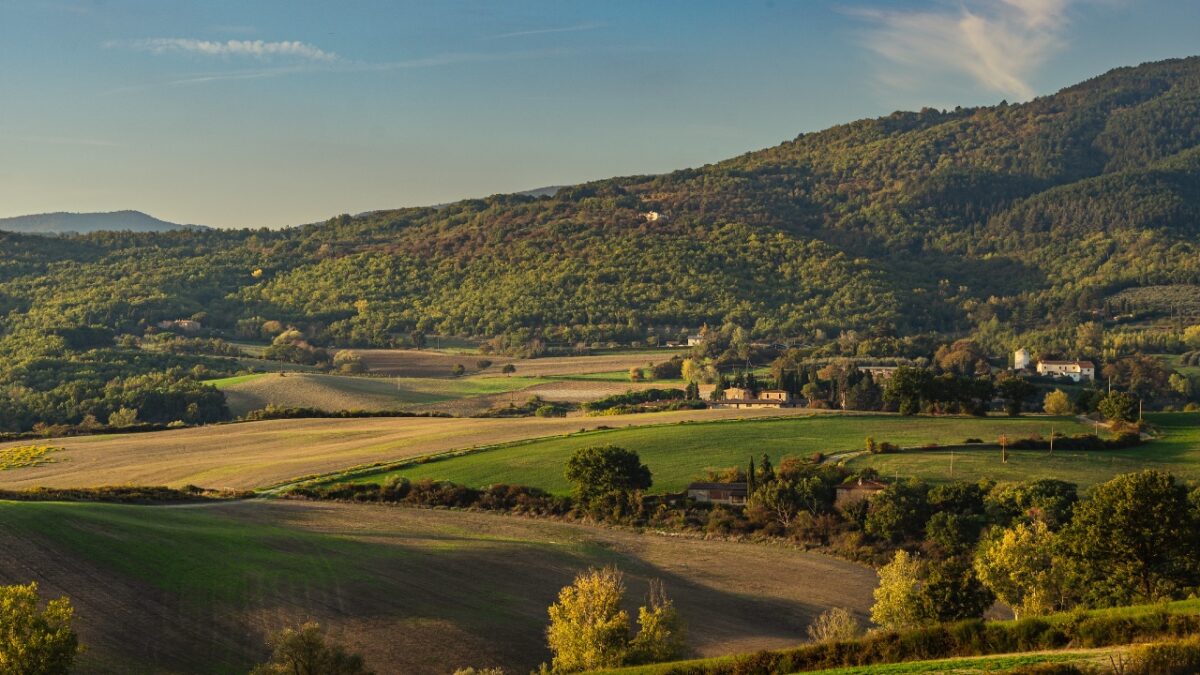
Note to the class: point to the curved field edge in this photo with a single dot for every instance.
(679, 453)
(256, 454)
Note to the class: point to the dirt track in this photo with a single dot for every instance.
(259, 454)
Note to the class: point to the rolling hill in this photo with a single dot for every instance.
(1015, 221)
(64, 223)
(197, 589)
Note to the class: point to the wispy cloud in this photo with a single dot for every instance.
(259, 49)
(998, 43)
(545, 31)
(345, 66)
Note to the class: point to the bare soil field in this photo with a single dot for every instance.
(563, 391)
(196, 589)
(429, 363)
(261, 454)
(422, 362)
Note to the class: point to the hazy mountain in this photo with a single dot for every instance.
(115, 221)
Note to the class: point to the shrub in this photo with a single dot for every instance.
(834, 625)
(1166, 658)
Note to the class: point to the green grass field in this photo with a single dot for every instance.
(195, 589)
(1176, 361)
(222, 383)
(678, 454)
(1177, 451)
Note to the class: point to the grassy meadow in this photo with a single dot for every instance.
(678, 454)
(1177, 450)
(195, 589)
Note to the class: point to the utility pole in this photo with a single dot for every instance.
(1052, 440)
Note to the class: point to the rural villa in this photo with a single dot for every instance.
(849, 493)
(738, 397)
(718, 493)
(1076, 370)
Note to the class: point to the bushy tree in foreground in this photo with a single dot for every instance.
(1134, 540)
(601, 470)
(898, 604)
(588, 629)
(34, 642)
(304, 651)
(1018, 565)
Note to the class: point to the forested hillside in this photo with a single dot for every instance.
(1031, 217)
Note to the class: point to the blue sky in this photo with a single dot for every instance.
(245, 113)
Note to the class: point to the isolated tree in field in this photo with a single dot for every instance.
(508, 369)
(1057, 403)
(605, 469)
(1019, 566)
(459, 370)
(35, 641)
(636, 374)
(1117, 406)
(588, 629)
(898, 602)
(1134, 540)
(834, 625)
(304, 651)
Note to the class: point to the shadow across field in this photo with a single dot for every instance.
(195, 589)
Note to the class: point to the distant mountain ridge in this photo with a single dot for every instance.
(114, 221)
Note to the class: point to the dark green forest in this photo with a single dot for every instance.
(1033, 217)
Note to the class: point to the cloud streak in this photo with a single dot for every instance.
(999, 44)
(259, 49)
(345, 66)
(546, 31)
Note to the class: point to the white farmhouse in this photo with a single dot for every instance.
(1076, 370)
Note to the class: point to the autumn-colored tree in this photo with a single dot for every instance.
(898, 602)
(1057, 403)
(589, 630)
(1018, 565)
(35, 641)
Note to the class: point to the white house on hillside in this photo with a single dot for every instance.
(1076, 370)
